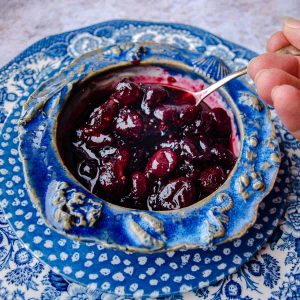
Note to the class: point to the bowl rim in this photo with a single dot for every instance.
(29, 109)
(221, 91)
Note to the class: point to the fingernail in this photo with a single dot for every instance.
(274, 89)
(292, 23)
(258, 74)
(250, 66)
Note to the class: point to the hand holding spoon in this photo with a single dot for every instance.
(199, 96)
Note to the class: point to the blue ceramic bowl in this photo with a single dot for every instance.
(71, 210)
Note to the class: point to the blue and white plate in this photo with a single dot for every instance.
(275, 273)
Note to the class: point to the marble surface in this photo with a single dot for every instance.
(250, 24)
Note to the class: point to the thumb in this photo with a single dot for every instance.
(291, 30)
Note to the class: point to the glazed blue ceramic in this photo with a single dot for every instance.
(70, 209)
(273, 273)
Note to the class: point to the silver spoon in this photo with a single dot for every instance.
(199, 96)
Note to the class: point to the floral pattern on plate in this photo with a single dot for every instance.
(272, 274)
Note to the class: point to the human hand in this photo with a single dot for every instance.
(277, 76)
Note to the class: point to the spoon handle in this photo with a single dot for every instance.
(204, 93)
(291, 50)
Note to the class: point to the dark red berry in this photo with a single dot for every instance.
(211, 178)
(181, 98)
(127, 93)
(204, 149)
(98, 140)
(223, 140)
(107, 153)
(151, 128)
(121, 161)
(187, 114)
(129, 124)
(204, 143)
(177, 115)
(188, 170)
(173, 144)
(166, 113)
(223, 156)
(109, 182)
(139, 185)
(101, 118)
(202, 124)
(138, 192)
(183, 148)
(139, 158)
(153, 94)
(206, 122)
(221, 122)
(162, 163)
(188, 150)
(178, 193)
(112, 178)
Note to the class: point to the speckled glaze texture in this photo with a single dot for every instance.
(24, 22)
(70, 209)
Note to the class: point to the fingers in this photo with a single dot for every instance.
(276, 76)
(277, 41)
(266, 79)
(286, 63)
(286, 101)
(291, 30)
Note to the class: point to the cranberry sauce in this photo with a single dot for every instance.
(145, 146)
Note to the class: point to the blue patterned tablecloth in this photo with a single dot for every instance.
(274, 273)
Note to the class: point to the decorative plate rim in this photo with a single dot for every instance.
(195, 31)
(37, 46)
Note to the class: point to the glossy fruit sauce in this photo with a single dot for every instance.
(139, 144)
